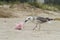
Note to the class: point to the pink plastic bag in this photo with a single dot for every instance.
(19, 26)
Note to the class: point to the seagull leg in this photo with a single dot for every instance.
(35, 26)
(39, 27)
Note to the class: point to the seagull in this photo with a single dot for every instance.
(37, 20)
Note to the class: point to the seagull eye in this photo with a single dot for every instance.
(28, 18)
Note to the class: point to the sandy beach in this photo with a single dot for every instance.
(47, 31)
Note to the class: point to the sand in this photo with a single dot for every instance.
(48, 31)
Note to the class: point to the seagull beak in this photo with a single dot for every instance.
(26, 20)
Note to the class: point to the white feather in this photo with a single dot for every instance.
(49, 21)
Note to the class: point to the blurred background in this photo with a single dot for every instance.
(19, 8)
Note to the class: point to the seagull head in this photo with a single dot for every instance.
(30, 18)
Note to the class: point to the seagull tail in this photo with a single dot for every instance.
(57, 19)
